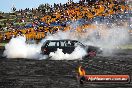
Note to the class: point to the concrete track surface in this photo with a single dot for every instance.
(28, 73)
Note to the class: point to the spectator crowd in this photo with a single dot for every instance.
(50, 19)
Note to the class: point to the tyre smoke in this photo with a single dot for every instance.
(77, 54)
(108, 38)
(18, 48)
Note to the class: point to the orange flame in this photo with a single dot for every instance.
(81, 71)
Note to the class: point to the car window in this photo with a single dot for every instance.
(67, 43)
(51, 43)
(62, 43)
(54, 43)
(57, 44)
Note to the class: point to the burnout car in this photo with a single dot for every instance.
(67, 46)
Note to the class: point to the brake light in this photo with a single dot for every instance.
(92, 53)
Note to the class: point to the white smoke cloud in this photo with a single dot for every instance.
(78, 53)
(105, 37)
(61, 35)
(18, 48)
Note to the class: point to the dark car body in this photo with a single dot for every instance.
(67, 46)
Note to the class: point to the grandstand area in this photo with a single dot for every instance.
(36, 23)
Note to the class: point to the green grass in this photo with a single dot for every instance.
(2, 44)
(126, 47)
(3, 20)
(20, 23)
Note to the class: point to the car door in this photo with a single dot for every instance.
(51, 47)
(69, 48)
(62, 46)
